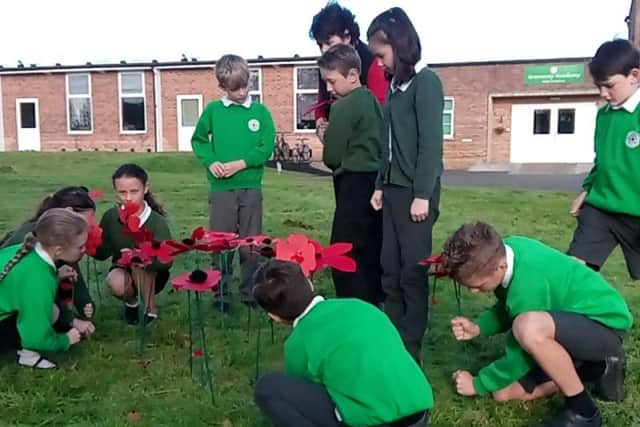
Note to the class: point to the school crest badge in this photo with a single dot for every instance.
(254, 125)
(633, 139)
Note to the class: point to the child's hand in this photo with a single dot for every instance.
(66, 272)
(321, 127)
(419, 209)
(217, 169)
(85, 327)
(231, 168)
(577, 204)
(376, 200)
(74, 336)
(88, 311)
(464, 383)
(464, 329)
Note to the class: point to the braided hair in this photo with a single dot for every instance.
(55, 227)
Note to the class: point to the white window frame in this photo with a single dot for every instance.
(452, 112)
(70, 96)
(297, 91)
(259, 91)
(132, 95)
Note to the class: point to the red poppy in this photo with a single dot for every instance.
(96, 194)
(128, 216)
(195, 242)
(434, 261)
(94, 237)
(133, 258)
(315, 107)
(259, 240)
(198, 280)
(299, 249)
(65, 291)
(334, 256)
(197, 352)
(157, 249)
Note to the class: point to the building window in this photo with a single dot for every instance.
(541, 122)
(255, 84)
(132, 103)
(79, 119)
(447, 118)
(306, 96)
(566, 121)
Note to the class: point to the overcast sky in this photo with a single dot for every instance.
(74, 32)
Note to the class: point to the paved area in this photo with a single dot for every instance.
(556, 181)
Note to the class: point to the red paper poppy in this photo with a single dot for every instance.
(128, 216)
(259, 240)
(315, 107)
(334, 256)
(65, 291)
(96, 194)
(94, 237)
(434, 261)
(195, 242)
(299, 249)
(157, 249)
(197, 353)
(133, 258)
(207, 281)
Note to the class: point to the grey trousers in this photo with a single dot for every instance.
(238, 211)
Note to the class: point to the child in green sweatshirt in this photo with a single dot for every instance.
(131, 184)
(558, 315)
(608, 210)
(29, 284)
(345, 362)
(352, 151)
(78, 200)
(233, 140)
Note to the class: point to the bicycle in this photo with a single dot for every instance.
(302, 152)
(281, 150)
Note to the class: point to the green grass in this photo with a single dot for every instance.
(102, 380)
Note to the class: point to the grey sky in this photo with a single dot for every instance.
(74, 31)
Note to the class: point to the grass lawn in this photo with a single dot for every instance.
(103, 380)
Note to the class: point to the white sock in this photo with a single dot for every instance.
(131, 305)
(30, 358)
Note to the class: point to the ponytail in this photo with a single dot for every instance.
(153, 204)
(27, 246)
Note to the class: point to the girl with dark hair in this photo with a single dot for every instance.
(409, 175)
(76, 199)
(28, 283)
(334, 25)
(131, 184)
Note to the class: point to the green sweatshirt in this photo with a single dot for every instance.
(544, 279)
(113, 239)
(413, 135)
(81, 295)
(234, 132)
(352, 349)
(612, 184)
(29, 290)
(352, 139)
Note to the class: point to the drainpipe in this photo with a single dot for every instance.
(2, 146)
(157, 109)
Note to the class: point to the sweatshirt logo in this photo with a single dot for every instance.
(254, 125)
(633, 139)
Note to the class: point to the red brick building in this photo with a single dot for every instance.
(504, 112)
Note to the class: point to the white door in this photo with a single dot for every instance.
(28, 124)
(189, 110)
(553, 132)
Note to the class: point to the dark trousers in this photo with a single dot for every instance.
(405, 282)
(355, 221)
(238, 211)
(294, 402)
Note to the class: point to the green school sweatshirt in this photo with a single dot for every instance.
(235, 132)
(544, 279)
(113, 240)
(353, 349)
(612, 184)
(81, 295)
(29, 290)
(413, 120)
(352, 139)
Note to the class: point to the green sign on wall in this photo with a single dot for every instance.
(545, 74)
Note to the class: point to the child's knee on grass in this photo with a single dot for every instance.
(119, 282)
(531, 329)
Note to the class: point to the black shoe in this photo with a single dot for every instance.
(568, 418)
(222, 307)
(131, 314)
(610, 385)
(148, 319)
